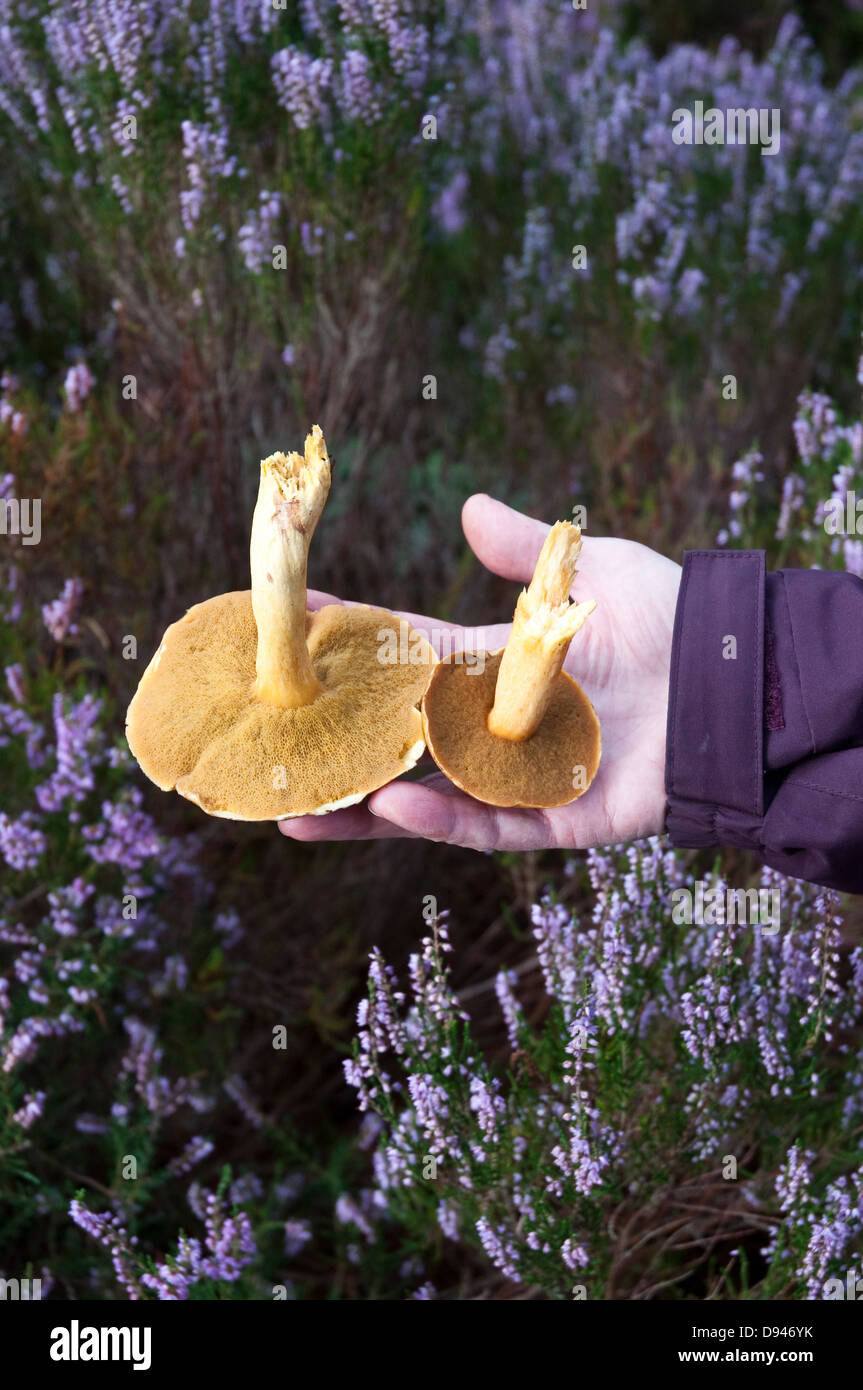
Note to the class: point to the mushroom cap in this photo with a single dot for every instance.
(538, 771)
(195, 723)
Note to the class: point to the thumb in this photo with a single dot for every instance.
(506, 542)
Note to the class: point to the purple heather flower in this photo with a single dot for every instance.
(449, 209)
(227, 924)
(574, 1256)
(91, 1124)
(173, 978)
(110, 1232)
(77, 386)
(356, 93)
(76, 732)
(499, 1247)
(447, 1217)
(255, 237)
(369, 1131)
(19, 724)
(15, 681)
(288, 1188)
(349, 1213)
(505, 982)
(245, 1189)
(242, 1097)
(22, 843)
(487, 1105)
(141, 1062)
(554, 932)
(65, 905)
(297, 1236)
(30, 1111)
(59, 615)
(431, 1107)
(194, 1152)
(302, 85)
(231, 1247)
(125, 835)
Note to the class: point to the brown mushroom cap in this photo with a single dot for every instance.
(539, 771)
(197, 725)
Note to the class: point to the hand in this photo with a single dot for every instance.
(621, 658)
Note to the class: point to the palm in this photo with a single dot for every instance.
(621, 658)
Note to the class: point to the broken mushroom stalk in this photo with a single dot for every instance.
(256, 709)
(518, 730)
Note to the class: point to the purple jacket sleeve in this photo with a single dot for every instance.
(765, 715)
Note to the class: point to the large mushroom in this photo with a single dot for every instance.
(256, 709)
(516, 730)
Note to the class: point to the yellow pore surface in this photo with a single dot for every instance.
(195, 724)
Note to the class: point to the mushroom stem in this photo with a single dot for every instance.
(544, 624)
(291, 497)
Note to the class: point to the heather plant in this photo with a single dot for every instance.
(679, 1121)
(805, 514)
(250, 128)
(99, 1000)
(266, 200)
(86, 874)
(95, 93)
(679, 228)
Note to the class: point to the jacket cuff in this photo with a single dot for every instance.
(814, 623)
(714, 778)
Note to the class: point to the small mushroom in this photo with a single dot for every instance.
(256, 709)
(517, 730)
